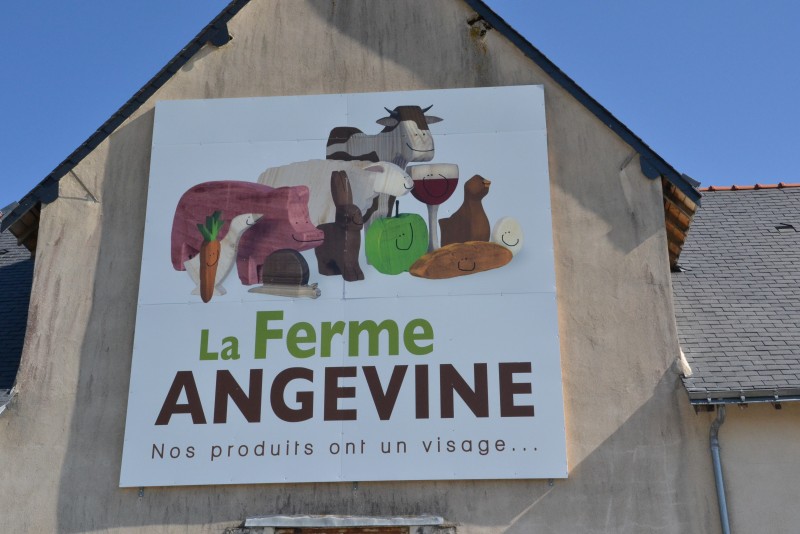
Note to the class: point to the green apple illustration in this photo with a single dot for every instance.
(393, 244)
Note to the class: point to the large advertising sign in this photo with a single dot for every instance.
(324, 298)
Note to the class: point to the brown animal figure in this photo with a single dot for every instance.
(469, 222)
(338, 254)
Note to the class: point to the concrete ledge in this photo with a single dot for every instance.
(341, 521)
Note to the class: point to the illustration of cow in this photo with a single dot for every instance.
(406, 137)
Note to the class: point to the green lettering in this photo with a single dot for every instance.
(231, 350)
(328, 331)
(373, 332)
(204, 353)
(294, 338)
(410, 337)
(263, 333)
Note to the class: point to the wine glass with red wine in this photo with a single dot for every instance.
(433, 184)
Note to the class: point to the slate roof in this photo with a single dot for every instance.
(737, 302)
(16, 275)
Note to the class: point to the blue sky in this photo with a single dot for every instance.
(711, 85)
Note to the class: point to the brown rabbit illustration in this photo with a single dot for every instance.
(338, 254)
(469, 222)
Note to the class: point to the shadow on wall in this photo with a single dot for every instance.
(642, 478)
(614, 200)
(88, 489)
(410, 37)
(15, 294)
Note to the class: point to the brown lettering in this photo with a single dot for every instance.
(184, 381)
(385, 401)
(228, 387)
(333, 393)
(304, 398)
(509, 388)
(476, 400)
(421, 389)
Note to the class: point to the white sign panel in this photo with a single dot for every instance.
(294, 326)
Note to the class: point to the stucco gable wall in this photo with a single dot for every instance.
(636, 451)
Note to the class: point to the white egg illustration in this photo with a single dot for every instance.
(508, 233)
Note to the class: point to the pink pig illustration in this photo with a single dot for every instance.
(284, 225)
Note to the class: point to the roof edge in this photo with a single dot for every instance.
(216, 33)
(754, 187)
(6, 396)
(46, 191)
(650, 160)
(753, 396)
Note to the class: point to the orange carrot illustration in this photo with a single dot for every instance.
(209, 254)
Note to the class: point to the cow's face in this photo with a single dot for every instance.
(417, 143)
(410, 125)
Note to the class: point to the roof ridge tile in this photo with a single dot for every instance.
(779, 185)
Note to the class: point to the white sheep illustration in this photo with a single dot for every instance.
(367, 180)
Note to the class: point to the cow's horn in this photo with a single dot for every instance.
(392, 113)
(426, 109)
